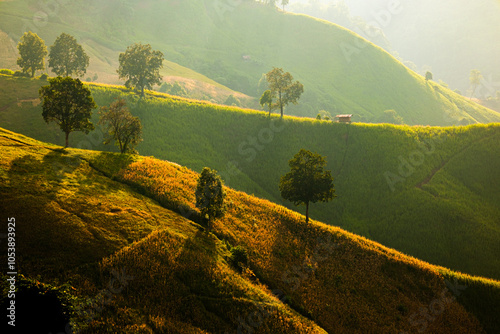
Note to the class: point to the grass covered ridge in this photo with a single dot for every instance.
(430, 192)
(88, 216)
(234, 44)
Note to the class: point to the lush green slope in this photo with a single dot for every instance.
(104, 62)
(342, 72)
(129, 265)
(443, 208)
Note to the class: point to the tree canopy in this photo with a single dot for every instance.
(69, 103)
(267, 99)
(121, 126)
(32, 52)
(281, 85)
(307, 180)
(140, 65)
(210, 195)
(67, 57)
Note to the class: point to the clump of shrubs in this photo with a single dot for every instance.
(6, 71)
(239, 257)
(44, 76)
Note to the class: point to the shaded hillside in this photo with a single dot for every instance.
(83, 221)
(235, 44)
(429, 192)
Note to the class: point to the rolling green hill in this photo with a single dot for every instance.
(104, 62)
(426, 191)
(235, 43)
(102, 234)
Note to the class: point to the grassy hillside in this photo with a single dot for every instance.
(449, 48)
(471, 44)
(442, 208)
(105, 231)
(104, 62)
(235, 44)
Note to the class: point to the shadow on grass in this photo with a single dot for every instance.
(110, 163)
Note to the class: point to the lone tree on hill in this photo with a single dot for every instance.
(284, 3)
(281, 84)
(140, 65)
(307, 181)
(428, 76)
(210, 195)
(67, 57)
(121, 126)
(32, 52)
(475, 80)
(267, 99)
(69, 103)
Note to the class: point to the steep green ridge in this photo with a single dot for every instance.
(443, 208)
(133, 266)
(235, 43)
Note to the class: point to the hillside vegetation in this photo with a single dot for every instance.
(234, 44)
(88, 219)
(429, 192)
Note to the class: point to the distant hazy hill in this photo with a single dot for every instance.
(105, 231)
(429, 192)
(449, 37)
(234, 43)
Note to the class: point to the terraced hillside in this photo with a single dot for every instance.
(105, 232)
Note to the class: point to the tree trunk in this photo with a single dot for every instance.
(281, 106)
(307, 212)
(67, 139)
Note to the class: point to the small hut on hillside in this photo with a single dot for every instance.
(343, 118)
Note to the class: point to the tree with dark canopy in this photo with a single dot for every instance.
(69, 103)
(210, 195)
(307, 180)
(67, 57)
(32, 52)
(140, 65)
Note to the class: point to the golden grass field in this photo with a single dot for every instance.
(85, 215)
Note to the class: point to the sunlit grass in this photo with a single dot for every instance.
(92, 227)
